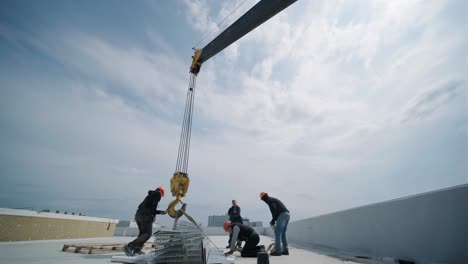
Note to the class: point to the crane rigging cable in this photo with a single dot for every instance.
(180, 180)
(254, 17)
(218, 24)
(185, 135)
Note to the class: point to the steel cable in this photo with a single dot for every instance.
(185, 135)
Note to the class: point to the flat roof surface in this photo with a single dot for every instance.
(50, 252)
(296, 255)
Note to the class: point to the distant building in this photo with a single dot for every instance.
(123, 223)
(129, 228)
(256, 224)
(218, 221)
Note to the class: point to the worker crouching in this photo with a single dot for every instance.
(241, 232)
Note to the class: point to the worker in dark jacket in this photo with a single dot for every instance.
(145, 217)
(235, 213)
(241, 232)
(235, 217)
(280, 216)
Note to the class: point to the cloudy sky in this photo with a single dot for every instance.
(327, 106)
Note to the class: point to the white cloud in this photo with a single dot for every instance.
(198, 16)
(426, 104)
(348, 79)
(306, 107)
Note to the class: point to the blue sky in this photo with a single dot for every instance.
(327, 106)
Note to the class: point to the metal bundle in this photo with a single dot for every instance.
(183, 245)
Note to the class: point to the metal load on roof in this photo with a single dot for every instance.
(182, 245)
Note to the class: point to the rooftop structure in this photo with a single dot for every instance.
(18, 225)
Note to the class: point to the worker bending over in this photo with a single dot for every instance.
(280, 216)
(241, 232)
(145, 217)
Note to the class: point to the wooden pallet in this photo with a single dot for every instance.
(97, 248)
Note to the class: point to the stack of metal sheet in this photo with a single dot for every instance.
(183, 245)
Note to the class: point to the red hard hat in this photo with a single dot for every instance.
(226, 225)
(163, 191)
(262, 194)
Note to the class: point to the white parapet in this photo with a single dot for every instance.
(20, 225)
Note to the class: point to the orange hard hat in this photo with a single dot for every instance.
(226, 225)
(262, 194)
(163, 191)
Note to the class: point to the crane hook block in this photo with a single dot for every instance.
(179, 186)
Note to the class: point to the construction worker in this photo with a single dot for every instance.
(280, 217)
(235, 217)
(241, 232)
(145, 217)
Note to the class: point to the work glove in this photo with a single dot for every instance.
(272, 222)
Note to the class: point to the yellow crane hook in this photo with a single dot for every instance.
(179, 186)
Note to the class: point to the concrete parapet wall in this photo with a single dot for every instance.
(19, 225)
(427, 228)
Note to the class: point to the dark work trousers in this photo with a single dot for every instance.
(145, 226)
(250, 248)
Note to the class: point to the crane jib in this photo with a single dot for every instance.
(253, 18)
(257, 15)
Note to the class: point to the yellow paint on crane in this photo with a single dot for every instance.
(196, 65)
(179, 186)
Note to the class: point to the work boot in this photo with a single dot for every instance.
(285, 252)
(275, 254)
(137, 252)
(128, 251)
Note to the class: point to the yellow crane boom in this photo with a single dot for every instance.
(257, 15)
